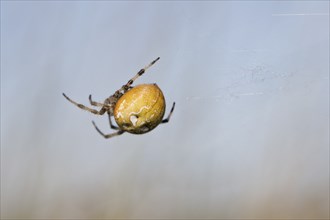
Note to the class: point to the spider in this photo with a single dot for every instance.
(136, 110)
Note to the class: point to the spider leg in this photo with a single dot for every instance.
(110, 122)
(130, 82)
(108, 135)
(93, 102)
(101, 112)
(169, 115)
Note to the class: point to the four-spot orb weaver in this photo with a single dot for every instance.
(136, 110)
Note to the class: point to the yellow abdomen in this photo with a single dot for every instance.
(140, 109)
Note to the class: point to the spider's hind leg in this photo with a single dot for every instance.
(169, 115)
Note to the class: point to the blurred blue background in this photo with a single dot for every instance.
(249, 137)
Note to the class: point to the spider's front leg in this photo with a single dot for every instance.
(128, 86)
(119, 132)
(110, 122)
(101, 112)
(94, 103)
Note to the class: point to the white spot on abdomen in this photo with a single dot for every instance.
(133, 119)
(120, 115)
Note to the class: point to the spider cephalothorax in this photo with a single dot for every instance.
(136, 110)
